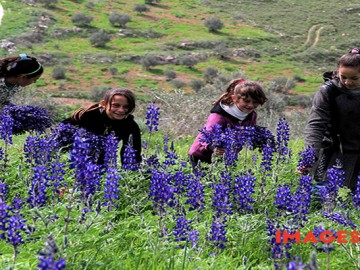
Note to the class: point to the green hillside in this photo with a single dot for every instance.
(272, 39)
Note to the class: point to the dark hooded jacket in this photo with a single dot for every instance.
(335, 117)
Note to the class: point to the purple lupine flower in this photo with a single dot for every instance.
(266, 162)
(218, 232)
(282, 138)
(62, 135)
(92, 177)
(320, 246)
(4, 188)
(161, 190)
(180, 181)
(16, 204)
(215, 136)
(195, 193)
(334, 180)
(28, 118)
(4, 219)
(243, 190)
(47, 258)
(37, 191)
(15, 226)
(263, 137)
(56, 174)
(6, 126)
(296, 265)
(171, 156)
(111, 146)
(38, 150)
(279, 251)
(193, 238)
(340, 219)
(307, 159)
(152, 117)
(1, 153)
(129, 162)
(302, 198)
(111, 190)
(283, 198)
(182, 229)
(356, 197)
(221, 200)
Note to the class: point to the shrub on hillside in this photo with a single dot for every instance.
(281, 85)
(150, 2)
(47, 3)
(188, 61)
(59, 73)
(210, 74)
(99, 39)
(213, 24)
(170, 74)
(117, 19)
(178, 84)
(140, 8)
(81, 19)
(196, 85)
(149, 61)
(97, 92)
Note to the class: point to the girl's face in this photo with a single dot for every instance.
(245, 104)
(349, 77)
(117, 108)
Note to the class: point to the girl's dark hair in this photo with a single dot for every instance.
(351, 59)
(23, 64)
(242, 88)
(130, 96)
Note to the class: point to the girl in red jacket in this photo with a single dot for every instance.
(235, 107)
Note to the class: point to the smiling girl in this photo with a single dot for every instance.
(112, 114)
(335, 119)
(235, 107)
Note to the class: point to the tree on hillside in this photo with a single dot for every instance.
(214, 24)
(99, 39)
(47, 3)
(81, 19)
(140, 8)
(117, 19)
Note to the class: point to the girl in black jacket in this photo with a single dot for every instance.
(112, 114)
(335, 119)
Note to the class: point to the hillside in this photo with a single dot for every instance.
(283, 44)
(262, 39)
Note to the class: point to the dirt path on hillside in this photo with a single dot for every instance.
(310, 35)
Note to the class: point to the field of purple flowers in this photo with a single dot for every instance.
(61, 208)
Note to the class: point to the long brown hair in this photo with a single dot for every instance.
(242, 88)
(130, 96)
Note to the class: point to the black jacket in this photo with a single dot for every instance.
(97, 122)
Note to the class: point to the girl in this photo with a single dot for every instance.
(335, 120)
(112, 114)
(17, 72)
(233, 108)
